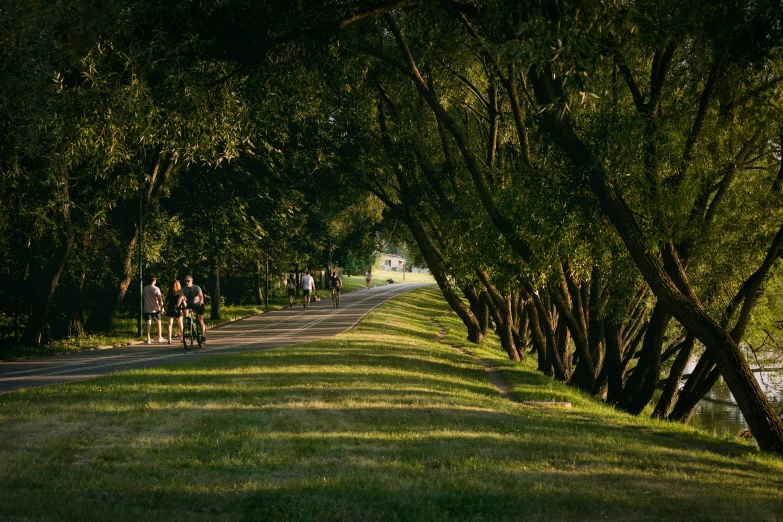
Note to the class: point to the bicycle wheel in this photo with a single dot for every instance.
(337, 305)
(186, 332)
(334, 300)
(193, 331)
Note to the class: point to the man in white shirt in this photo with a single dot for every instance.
(153, 304)
(308, 285)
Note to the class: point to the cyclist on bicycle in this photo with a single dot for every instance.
(335, 283)
(195, 302)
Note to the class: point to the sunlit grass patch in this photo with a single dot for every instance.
(381, 423)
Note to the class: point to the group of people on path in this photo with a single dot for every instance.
(308, 288)
(190, 297)
(179, 300)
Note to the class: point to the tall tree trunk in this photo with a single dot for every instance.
(76, 314)
(539, 340)
(612, 367)
(523, 336)
(257, 280)
(48, 280)
(20, 294)
(553, 356)
(483, 313)
(215, 306)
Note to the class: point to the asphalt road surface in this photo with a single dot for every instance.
(261, 332)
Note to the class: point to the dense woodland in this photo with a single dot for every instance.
(599, 183)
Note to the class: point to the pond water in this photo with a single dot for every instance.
(718, 412)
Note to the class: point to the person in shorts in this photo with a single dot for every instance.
(308, 285)
(335, 283)
(290, 285)
(153, 305)
(174, 300)
(368, 278)
(195, 301)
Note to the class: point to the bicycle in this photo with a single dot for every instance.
(191, 329)
(335, 297)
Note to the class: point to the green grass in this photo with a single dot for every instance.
(381, 277)
(380, 423)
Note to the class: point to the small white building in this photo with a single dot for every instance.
(392, 262)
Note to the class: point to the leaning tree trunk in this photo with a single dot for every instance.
(676, 372)
(500, 309)
(477, 305)
(703, 377)
(764, 422)
(103, 314)
(641, 385)
(438, 272)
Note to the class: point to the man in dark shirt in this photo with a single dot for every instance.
(195, 298)
(335, 283)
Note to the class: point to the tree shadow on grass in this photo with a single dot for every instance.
(365, 464)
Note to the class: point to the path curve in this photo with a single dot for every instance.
(260, 332)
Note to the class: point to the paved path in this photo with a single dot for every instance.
(261, 332)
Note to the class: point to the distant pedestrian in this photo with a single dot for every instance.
(291, 287)
(368, 278)
(153, 305)
(308, 285)
(174, 302)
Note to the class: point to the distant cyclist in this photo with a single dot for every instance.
(335, 283)
(195, 302)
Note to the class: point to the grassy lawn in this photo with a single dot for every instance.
(380, 423)
(381, 278)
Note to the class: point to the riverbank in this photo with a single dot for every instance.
(387, 421)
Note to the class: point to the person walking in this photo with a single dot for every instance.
(291, 287)
(368, 278)
(174, 301)
(153, 304)
(308, 285)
